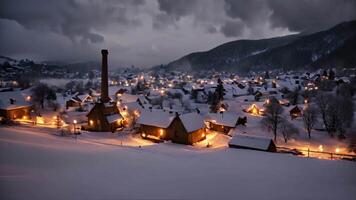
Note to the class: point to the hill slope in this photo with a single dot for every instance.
(333, 48)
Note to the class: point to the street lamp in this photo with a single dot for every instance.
(74, 126)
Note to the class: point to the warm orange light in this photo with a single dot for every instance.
(143, 135)
(253, 110)
(118, 122)
(161, 132)
(321, 148)
(39, 120)
(75, 121)
(337, 150)
(203, 134)
(28, 98)
(91, 122)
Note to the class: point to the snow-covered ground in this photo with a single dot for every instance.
(35, 164)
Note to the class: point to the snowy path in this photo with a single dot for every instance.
(37, 165)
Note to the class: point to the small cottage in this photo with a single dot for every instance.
(188, 128)
(157, 124)
(154, 124)
(221, 122)
(295, 112)
(15, 105)
(253, 143)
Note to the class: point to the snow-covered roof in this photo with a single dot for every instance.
(155, 117)
(192, 121)
(18, 98)
(127, 98)
(250, 142)
(226, 119)
(113, 118)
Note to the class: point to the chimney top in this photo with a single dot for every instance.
(104, 51)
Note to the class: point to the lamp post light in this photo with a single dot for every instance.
(74, 126)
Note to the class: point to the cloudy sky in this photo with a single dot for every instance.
(150, 32)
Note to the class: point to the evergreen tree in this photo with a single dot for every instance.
(218, 96)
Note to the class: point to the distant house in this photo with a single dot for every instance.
(15, 105)
(253, 143)
(104, 117)
(79, 100)
(184, 129)
(295, 112)
(222, 122)
(254, 110)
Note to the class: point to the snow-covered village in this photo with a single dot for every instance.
(249, 119)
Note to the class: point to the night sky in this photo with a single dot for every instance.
(150, 32)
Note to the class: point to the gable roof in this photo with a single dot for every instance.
(192, 121)
(18, 97)
(226, 119)
(155, 117)
(244, 141)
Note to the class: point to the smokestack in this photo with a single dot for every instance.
(104, 76)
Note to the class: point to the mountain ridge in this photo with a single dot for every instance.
(332, 47)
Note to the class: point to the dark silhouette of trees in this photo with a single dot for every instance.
(309, 118)
(41, 93)
(273, 117)
(217, 96)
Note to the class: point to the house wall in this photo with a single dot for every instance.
(71, 103)
(98, 116)
(197, 136)
(155, 131)
(15, 113)
(180, 135)
(219, 128)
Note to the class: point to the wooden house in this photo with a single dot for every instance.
(188, 128)
(157, 124)
(253, 143)
(15, 105)
(154, 124)
(221, 122)
(295, 112)
(79, 100)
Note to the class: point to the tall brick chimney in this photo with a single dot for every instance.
(104, 76)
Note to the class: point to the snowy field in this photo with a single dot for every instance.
(37, 165)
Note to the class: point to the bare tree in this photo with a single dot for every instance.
(309, 118)
(323, 102)
(273, 117)
(42, 92)
(343, 114)
(287, 129)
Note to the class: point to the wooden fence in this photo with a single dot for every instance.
(317, 154)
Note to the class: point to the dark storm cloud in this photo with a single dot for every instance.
(151, 32)
(312, 15)
(178, 8)
(73, 18)
(295, 15)
(232, 28)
